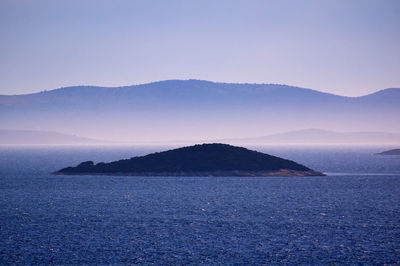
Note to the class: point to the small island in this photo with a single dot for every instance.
(198, 160)
(390, 152)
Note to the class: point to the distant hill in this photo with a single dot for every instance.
(196, 109)
(390, 152)
(40, 137)
(198, 160)
(318, 136)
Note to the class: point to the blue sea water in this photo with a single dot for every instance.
(351, 216)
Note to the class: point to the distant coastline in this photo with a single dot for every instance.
(390, 152)
(38, 137)
(303, 137)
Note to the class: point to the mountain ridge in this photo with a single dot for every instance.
(193, 109)
(196, 80)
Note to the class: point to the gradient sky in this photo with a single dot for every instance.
(344, 47)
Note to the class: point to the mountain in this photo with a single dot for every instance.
(40, 137)
(197, 110)
(198, 160)
(318, 136)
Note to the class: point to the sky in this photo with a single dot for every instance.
(345, 47)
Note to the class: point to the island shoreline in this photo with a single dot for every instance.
(282, 172)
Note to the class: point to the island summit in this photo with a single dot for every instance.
(198, 160)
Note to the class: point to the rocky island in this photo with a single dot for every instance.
(390, 152)
(198, 160)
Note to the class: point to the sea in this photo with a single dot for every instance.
(349, 217)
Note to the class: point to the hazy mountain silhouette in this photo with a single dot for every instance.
(195, 109)
(318, 136)
(40, 137)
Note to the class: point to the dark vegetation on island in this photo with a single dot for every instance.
(198, 160)
(390, 152)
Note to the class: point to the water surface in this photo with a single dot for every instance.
(351, 216)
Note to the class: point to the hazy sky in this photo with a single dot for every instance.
(344, 47)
